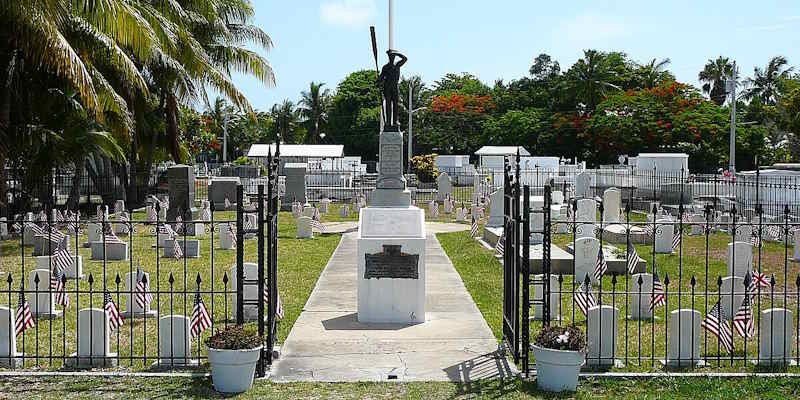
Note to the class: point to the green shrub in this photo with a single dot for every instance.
(425, 167)
(243, 160)
(234, 338)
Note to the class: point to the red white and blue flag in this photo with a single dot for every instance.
(24, 318)
(659, 297)
(143, 297)
(716, 323)
(114, 317)
(600, 266)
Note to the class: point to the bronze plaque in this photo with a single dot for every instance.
(391, 263)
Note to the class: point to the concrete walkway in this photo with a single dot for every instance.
(328, 344)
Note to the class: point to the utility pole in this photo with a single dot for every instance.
(410, 126)
(225, 139)
(731, 86)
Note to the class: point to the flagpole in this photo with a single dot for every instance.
(391, 25)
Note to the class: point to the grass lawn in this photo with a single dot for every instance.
(300, 263)
(616, 388)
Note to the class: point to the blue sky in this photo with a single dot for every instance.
(324, 40)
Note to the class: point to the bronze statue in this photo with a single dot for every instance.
(388, 81)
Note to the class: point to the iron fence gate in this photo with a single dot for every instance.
(511, 317)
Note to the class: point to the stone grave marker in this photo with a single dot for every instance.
(304, 230)
(94, 341)
(583, 185)
(538, 296)
(461, 214)
(684, 342)
(226, 241)
(586, 211)
(664, 234)
(344, 210)
(777, 337)
(444, 185)
(250, 292)
(9, 356)
(744, 233)
(133, 310)
(640, 296)
(295, 181)
(175, 343)
(324, 204)
(731, 295)
(181, 192)
(73, 271)
(601, 332)
(114, 251)
(586, 250)
(43, 302)
(189, 247)
(221, 188)
(740, 259)
(495, 209)
(612, 203)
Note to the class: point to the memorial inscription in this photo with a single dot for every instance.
(391, 263)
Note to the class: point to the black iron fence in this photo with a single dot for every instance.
(698, 285)
(134, 289)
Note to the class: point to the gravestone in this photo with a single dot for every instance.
(496, 217)
(557, 197)
(324, 204)
(444, 185)
(308, 211)
(664, 234)
(731, 295)
(221, 188)
(121, 228)
(304, 230)
(538, 296)
(586, 211)
(226, 242)
(3, 228)
(640, 296)
(94, 341)
(796, 240)
(181, 192)
(586, 250)
(344, 210)
(776, 337)
(583, 185)
(73, 271)
(684, 342)
(189, 247)
(601, 333)
(295, 181)
(676, 193)
(740, 259)
(9, 356)
(585, 231)
(46, 244)
(612, 203)
(536, 227)
(744, 233)
(461, 214)
(133, 310)
(250, 293)
(431, 205)
(698, 225)
(175, 343)
(114, 251)
(448, 206)
(119, 206)
(42, 302)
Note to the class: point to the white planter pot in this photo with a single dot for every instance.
(557, 370)
(233, 370)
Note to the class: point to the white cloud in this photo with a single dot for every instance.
(347, 13)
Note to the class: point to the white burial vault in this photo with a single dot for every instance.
(391, 265)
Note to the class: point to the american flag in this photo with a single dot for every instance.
(165, 203)
(249, 223)
(434, 209)
(584, 299)
(715, 323)
(42, 216)
(57, 286)
(231, 232)
(600, 267)
(278, 305)
(16, 226)
(110, 237)
(205, 215)
(633, 257)
(62, 258)
(114, 317)
(152, 216)
(755, 240)
(178, 223)
(35, 229)
(201, 320)
(166, 230)
(760, 279)
(59, 216)
(316, 215)
(100, 213)
(473, 231)
(24, 318)
(316, 224)
(227, 204)
(676, 239)
(500, 247)
(177, 251)
(774, 232)
(659, 298)
(648, 230)
(743, 320)
(143, 297)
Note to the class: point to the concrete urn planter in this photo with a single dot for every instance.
(232, 371)
(557, 370)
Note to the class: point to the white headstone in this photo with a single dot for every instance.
(93, 333)
(3, 227)
(304, 228)
(538, 296)
(323, 205)
(121, 228)
(740, 259)
(684, 342)
(585, 258)
(225, 240)
(537, 226)
(448, 206)
(308, 211)
(445, 187)
(94, 232)
(731, 295)
(585, 231)
(664, 234)
(640, 296)
(698, 224)
(796, 240)
(175, 341)
(586, 211)
(119, 206)
(495, 209)
(43, 302)
(777, 337)
(461, 214)
(583, 185)
(744, 233)
(8, 340)
(612, 203)
(344, 211)
(557, 197)
(74, 270)
(601, 332)
(133, 309)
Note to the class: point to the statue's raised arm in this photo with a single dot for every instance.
(388, 80)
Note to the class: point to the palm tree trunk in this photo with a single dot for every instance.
(172, 127)
(77, 180)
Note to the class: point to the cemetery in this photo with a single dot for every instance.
(601, 230)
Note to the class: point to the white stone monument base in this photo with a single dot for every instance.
(74, 271)
(52, 314)
(191, 249)
(176, 363)
(387, 299)
(113, 251)
(85, 362)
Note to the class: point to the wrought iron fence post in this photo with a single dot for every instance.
(239, 256)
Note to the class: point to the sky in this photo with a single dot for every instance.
(325, 40)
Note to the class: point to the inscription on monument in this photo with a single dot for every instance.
(391, 163)
(391, 263)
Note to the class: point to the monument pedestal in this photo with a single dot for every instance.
(391, 265)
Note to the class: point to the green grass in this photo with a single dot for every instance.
(616, 388)
(300, 263)
(646, 344)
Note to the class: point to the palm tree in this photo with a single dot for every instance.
(713, 77)
(286, 119)
(654, 72)
(766, 83)
(589, 80)
(314, 105)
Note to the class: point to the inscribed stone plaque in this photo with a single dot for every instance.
(388, 222)
(391, 263)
